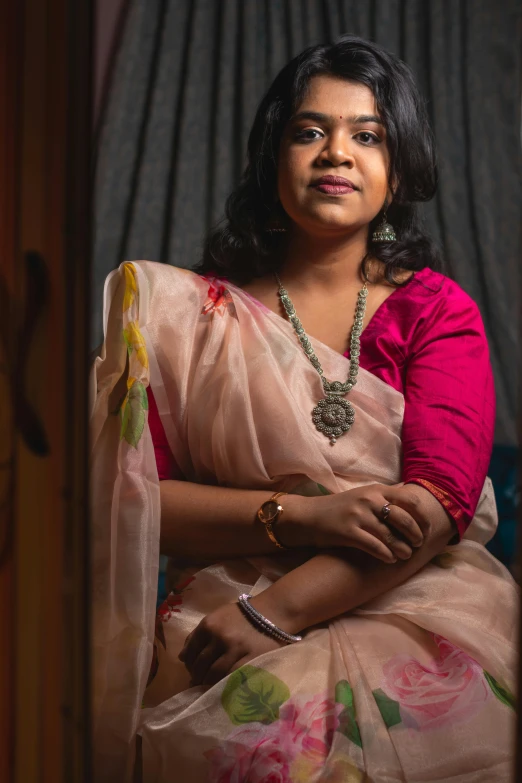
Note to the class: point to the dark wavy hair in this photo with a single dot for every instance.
(240, 247)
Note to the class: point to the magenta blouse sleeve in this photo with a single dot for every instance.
(165, 462)
(449, 406)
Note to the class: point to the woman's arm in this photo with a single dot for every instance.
(204, 523)
(326, 586)
(335, 582)
(208, 523)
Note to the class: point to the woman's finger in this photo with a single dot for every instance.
(386, 534)
(403, 522)
(219, 669)
(407, 500)
(194, 643)
(204, 660)
(181, 655)
(240, 663)
(373, 546)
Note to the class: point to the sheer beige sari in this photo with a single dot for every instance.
(416, 685)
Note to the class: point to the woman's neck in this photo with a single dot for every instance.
(323, 264)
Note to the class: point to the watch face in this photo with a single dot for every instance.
(270, 509)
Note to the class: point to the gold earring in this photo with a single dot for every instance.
(384, 232)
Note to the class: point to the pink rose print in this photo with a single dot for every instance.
(291, 749)
(450, 690)
(254, 754)
(310, 728)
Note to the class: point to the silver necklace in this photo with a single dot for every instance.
(333, 415)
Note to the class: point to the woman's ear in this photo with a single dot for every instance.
(393, 184)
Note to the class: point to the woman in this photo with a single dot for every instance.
(334, 615)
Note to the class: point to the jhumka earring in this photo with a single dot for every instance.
(384, 232)
(274, 229)
(275, 226)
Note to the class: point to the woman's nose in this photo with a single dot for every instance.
(337, 152)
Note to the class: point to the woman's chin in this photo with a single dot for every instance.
(328, 226)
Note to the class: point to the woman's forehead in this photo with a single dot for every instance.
(332, 95)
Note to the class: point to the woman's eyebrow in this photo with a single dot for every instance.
(361, 119)
(358, 119)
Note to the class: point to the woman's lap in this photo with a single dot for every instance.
(373, 695)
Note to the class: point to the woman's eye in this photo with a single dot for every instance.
(305, 134)
(369, 138)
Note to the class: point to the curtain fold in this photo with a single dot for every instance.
(185, 85)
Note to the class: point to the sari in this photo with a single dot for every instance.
(414, 685)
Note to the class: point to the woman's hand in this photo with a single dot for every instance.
(222, 642)
(353, 519)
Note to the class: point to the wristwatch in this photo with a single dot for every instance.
(269, 514)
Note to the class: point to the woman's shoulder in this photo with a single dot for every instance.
(428, 284)
(439, 305)
(156, 272)
(159, 282)
(432, 292)
(430, 307)
(155, 291)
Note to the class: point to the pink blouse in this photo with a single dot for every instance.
(427, 340)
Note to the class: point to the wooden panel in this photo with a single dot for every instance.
(44, 238)
(9, 47)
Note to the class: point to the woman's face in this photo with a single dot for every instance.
(335, 132)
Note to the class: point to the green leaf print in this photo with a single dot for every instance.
(347, 721)
(309, 489)
(502, 694)
(443, 560)
(133, 414)
(389, 708)
(127, 342)
(253, 694)
(323, 490)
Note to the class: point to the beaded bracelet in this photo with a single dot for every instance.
(262, 623)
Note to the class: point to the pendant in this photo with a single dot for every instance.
(333, 416)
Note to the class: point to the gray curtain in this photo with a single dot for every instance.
(186, 81)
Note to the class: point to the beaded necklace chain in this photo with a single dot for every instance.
(333, 415)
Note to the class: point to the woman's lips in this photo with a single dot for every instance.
(333, 190)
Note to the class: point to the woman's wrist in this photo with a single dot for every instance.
(273, 605)
(294, 528)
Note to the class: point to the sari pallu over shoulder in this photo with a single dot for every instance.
(125, 527)
(235, 396)
(236, 400)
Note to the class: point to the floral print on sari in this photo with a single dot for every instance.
(164, 613)
(135, 403)
(219, 299)
(288, 739)
(284, 741)
(450, 690)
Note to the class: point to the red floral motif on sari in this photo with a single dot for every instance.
(171, 604)
(219, 299)
(165, 611)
